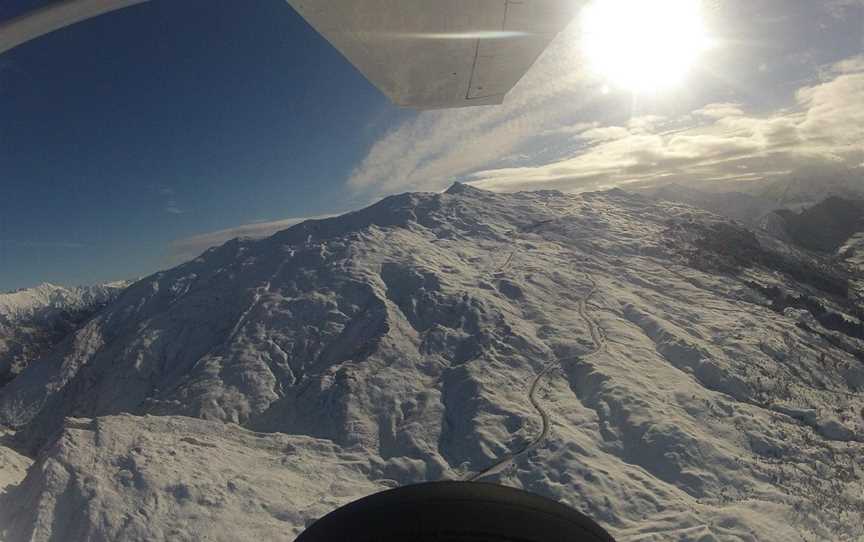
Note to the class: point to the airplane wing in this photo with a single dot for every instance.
(423, 54)
(428, 54)
(54, 17)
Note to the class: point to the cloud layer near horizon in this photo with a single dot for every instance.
(538, 138)
(559, 129)
(717, 142)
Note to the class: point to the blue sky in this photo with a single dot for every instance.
(131, 130)
(134, 140)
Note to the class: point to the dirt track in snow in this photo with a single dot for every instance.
(598, 337)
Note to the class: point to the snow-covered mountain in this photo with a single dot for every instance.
(46, 299)
(783, 209)
(747, 208)
(669, 373)
(34, 320)
(826, 226)
(806, 187)
(750, 201)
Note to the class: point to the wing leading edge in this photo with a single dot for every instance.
(54, 17)
(429, 54)
(423, 54)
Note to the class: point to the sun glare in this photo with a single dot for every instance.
(644, 46)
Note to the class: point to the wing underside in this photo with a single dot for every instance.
(429, 54)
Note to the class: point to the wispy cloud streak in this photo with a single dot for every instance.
(188, 248)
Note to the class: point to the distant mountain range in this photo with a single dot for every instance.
(747, 208)
(812, 210)
(674, 374)
(803, 187)
(809, 186)
(34, 320)
(826, 226)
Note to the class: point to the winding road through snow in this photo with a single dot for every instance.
(597, 336)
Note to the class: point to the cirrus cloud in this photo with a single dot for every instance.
(432, 149)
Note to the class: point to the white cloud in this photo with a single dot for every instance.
(720, 110)
(42, 244)
(188, 248)
(717, 141)
(545, 116)
(826, 126)
(834, 112)
(168, 197)
(172, 208)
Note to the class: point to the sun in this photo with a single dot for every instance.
(644, 46)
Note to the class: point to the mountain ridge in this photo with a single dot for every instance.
(604, 349)
(34, 320)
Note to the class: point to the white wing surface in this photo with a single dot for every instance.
(423, 54)
(428, 54)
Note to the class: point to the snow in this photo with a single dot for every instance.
(566, 344)
(747, 208)
(13, 465)
(173, 478)
(854, 248)
(30, 302)
(32, 321)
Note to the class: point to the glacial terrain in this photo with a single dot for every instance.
(668, 372)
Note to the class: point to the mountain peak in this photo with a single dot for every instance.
(48, 286)
(458, 188)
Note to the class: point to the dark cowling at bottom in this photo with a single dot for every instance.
(455, 512)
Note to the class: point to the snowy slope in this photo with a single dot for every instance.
(169, 478)
(747, 208)
(13, 465)
(34, 320)
(853, 251)
(30, 303)
(642, 361)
